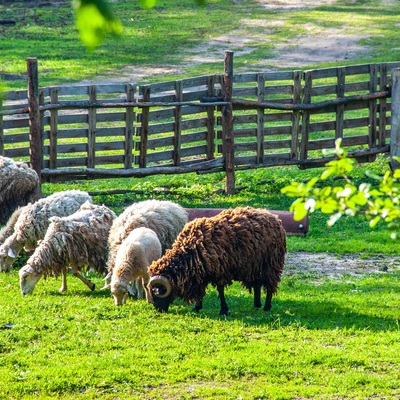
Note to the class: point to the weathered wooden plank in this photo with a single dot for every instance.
(91, 132)
(210, 122)
(129, 128)
(15, 123)
(373, 110)
(35, 130)
(296, 116)
(330, 143)
(260, 119)
(17, 152)
(144, 129)
(268, 76)
(177, 124)
(16, 138)
(395, 122)
(14, 95)
(75, 90)
(339, 126)
(382, 122)
(169, 141)
(305, 126)
(53, 129)
(268, 144)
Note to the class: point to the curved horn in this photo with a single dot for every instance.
(163, 281)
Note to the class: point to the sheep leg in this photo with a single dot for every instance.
(140, 289)
(132, 288)
(257, 296)
(63, 287)
(87, 282)
(224, 307)
(268, 299)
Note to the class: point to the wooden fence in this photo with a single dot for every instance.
(204, 124)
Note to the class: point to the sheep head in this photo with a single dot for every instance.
(119, 292)
(28, 278)
(161, 292)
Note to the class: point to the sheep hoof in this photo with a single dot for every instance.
(62, 289)
(224, 312)
(92, 287)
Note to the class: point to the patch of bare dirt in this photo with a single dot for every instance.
(330, 266)
(318, 45)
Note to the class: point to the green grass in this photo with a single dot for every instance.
(323, 339)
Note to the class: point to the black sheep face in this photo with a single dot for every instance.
(161, 304)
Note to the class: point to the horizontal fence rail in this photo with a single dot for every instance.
(204, 124)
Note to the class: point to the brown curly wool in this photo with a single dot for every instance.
(242, 244)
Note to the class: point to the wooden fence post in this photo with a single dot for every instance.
(227, 124)
(395, 122)
(35, 136)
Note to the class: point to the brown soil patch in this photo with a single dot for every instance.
(330, 266)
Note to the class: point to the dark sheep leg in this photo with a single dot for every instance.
(224, 307)
(268, 299)
(87, 282)
(257, 296)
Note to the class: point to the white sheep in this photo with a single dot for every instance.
(19, 185)
(165, 218)
(33, 222)
(78, 241)
(135, 254)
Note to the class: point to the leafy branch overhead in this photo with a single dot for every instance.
(378, 201)
(95, 19)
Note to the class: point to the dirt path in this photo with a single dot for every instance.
(317, 46)
(331, 266)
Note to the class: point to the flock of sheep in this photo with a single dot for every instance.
(152, 244)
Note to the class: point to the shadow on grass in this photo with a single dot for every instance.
(351, 309)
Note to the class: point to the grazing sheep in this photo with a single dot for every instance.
(33, 222)
(165, 218)
(19, 185)
(242, 244)
(78, 241)
(134, 256)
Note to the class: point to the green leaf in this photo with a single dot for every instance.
(94, 21)
(147, 4)
(374, 221)
(298, 209)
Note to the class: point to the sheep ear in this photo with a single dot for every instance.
(106, 286)
(11, 253)
(29, 269)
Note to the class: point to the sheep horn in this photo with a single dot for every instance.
(163, 281)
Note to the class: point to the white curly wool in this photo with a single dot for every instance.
(33, 221)
(78, 241)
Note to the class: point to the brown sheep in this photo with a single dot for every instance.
(242, 244)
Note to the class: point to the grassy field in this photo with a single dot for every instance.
(325, 338)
